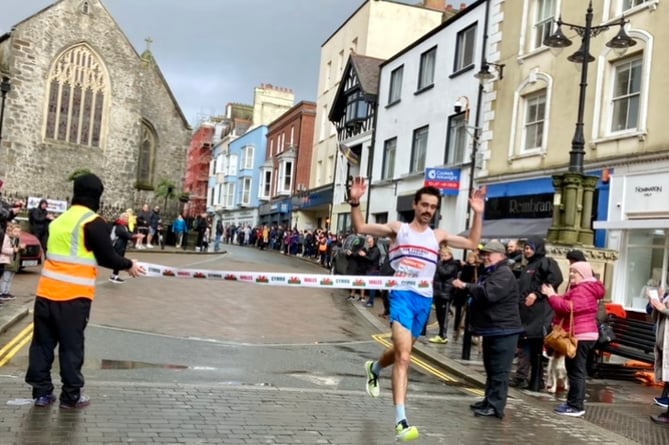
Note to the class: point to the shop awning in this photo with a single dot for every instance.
(511, 228)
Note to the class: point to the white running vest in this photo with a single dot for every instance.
(415, 255)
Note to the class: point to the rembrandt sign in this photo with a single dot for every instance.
(526, 206)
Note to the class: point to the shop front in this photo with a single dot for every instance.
(520, 209)
(311, 208)
(276, 213)
(242, 217)
(638, 228)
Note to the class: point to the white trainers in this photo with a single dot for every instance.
(150, 246)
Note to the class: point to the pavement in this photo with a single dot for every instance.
(617, 411)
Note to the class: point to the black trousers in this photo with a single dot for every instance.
(59, 323)
(498, 355)
(441, 307)
(577, 373)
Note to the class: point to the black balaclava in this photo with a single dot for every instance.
(87, 191)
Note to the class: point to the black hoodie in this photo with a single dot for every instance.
(540, 270)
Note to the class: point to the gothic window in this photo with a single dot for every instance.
(77, 98)
(85, 8)
(146, 159)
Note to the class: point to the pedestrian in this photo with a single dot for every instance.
(414, 250)
(120, 238)
(447, 271)
(219, 235)
(354, 265)
(179, 228)
(143, 217)
(39, 219)
(576, 311)
(470, 272)
(369, 257)
(10, 259)
(535, 313)
(659, 302)
(78, 243)
(495, 317)
(154, 220)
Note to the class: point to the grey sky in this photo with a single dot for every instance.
(216, 51)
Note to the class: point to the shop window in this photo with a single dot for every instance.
(647, 265)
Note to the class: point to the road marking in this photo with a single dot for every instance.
(15, 344)
(384, 340)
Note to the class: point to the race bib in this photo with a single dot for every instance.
(409, 268)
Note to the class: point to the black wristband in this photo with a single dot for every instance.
(354, 204)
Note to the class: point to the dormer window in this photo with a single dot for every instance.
(356, 108)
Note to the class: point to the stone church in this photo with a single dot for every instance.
(83, 98)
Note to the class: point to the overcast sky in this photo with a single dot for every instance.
(216, 51)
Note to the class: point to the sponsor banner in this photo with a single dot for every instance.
(289, 279)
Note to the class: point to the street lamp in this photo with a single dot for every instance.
(573, 190)
(5, 86)
(620, 43)
(484, 73)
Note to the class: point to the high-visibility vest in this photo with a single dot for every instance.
(70, 270)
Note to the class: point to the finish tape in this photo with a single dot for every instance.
(288, 279)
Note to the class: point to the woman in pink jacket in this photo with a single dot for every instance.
(583, 295)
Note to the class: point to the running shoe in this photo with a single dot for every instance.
(662, 402)
(44, 401)
(83, 402)
(438, 339)
(405, 433)
(372, 380)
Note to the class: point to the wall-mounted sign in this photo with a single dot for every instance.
(445, 179)
(646, 194)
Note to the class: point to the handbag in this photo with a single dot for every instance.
(561, 341)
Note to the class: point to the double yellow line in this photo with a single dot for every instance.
(384, 339)
(10, 349)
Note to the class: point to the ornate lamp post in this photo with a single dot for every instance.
(574, 191)
(5, 87)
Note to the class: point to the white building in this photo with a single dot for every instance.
(427, 120)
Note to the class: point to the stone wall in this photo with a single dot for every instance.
(31, 164)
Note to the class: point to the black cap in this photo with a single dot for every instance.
(88, 189)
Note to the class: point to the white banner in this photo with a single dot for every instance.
(288, 279)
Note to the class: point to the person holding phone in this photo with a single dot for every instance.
(659, 303)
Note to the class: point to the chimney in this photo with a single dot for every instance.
(437, 5)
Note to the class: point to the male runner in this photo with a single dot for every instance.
(414, 252)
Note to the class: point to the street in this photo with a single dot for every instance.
(196, 361)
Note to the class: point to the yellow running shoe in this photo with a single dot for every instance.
(372, 385)
(438, 339)
(405, 433)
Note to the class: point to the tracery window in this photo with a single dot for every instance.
(77, 98)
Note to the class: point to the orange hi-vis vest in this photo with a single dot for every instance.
(70, 270)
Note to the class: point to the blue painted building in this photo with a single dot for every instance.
(235, 178)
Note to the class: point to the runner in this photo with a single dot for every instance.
(414, 252)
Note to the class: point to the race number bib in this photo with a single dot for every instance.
(409, 268)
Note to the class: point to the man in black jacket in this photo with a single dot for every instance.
(535, 313)
(39, 220)
(495, 317)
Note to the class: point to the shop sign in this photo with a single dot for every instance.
(445, 179)
(647, 194)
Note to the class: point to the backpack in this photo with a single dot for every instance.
(550, 272)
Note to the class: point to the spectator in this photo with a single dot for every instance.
(582, 299)
(143, 217)
(495, 317)
(354, 265)
(10, 259)
(447, 271)
(469, 273)
(369, 257)
(154, 221)
(514, 257)
(120, 236)
(39, 219)
(179, 228)
(535, 313)
(660, 315)
(219, 235)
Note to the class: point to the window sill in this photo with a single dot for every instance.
(639, 134)
(529, 154)
(615, 19)
(413, 175)
(462, 71)
(536, 51)
(422, 90)
(393, 103)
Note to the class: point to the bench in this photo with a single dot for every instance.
(634, 340)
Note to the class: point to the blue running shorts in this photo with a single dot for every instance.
(410, 309)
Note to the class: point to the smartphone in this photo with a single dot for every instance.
(652, 293)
